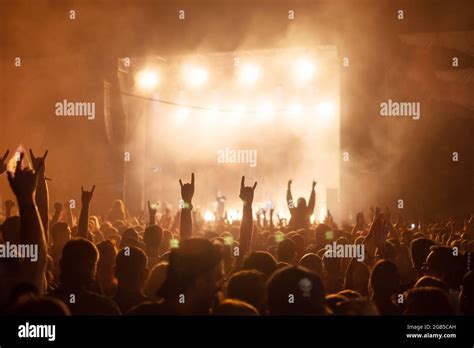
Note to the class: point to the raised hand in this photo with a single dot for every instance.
(24, 182)
(246, 226)
(86, 196)
(186, 220)
(58, 207)
(246, 192)
(38, 162)
(3, 164)
(152, 209)
(289, 184)
(379, 232)
(314, 184)
(187, 190)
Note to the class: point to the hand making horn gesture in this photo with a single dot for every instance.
(187, 190)
(246, 192)
(38, 162)
(86, 196)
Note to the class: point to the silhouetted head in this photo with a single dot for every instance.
(441, 263)
(427, 301)
(332, 265)
(384, 279)
(419, 250)
(130, 233)
(248, 286)
(431, 282)
(131, 268)
(23, 290)
(152, 238)
(107, 254)
(299, 243)
(301, 203)
(78, 263)
(195, 269)
(261, 261)
(295, 291)
(357, 277)
(312, 262)
(118, 207)
(130, 238)
(156, 279)
(39, 306)
(233, 307)
(286, 251)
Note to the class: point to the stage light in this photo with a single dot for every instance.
(304, 71)
(294, 109)
(249, 74)
(208, 216)
(195, 76)
(325, 109)
(238, 110)
(182, 113)
(213, 113)
(147, 79)
(264, 110)
(322, 214)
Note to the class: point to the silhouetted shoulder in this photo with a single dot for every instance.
(151, 308)
(87, 303)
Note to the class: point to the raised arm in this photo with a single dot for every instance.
(186, 220)
(359, 225)
(392, 231)
(289, 197)
(42, 196)
(9, 205)
(83, 226)
(272, 226)
(246, 226)
(312, 199)
(58, 208)
(23, 185)
(152, 207)
(377, 236)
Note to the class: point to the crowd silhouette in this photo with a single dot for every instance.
(175, 263)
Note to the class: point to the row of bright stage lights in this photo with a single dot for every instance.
(248, 74)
